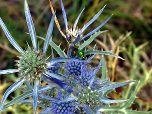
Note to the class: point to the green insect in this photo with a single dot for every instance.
(75, 51)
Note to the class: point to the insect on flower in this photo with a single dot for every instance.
(75, 51)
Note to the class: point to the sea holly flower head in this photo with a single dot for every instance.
(73, 68)
(89, 97)
(64, 107)
(61, 103)
(85, 77)
(78, 72)
(73, 32)
(92, 98)
(89, 90)
(32, 63)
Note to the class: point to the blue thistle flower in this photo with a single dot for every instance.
(93, 98)
(89, 91)
(32, 63)
(64, 107)
(63, 104)
(85, 77)
(73, 68)
(73, 33)
(78, 72)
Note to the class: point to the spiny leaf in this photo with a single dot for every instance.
(102, 53)
(114, 86)
(59, 51)
(91, 39)
(63, 59)
(57, 76)
(104, 69)
(117, 110)
(132, 98)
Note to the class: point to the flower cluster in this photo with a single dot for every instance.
(72, 86)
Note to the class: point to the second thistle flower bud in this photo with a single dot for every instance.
(31, 65)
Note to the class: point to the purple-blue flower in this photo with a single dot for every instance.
(72, 33)
(61, 104)
(89, 90)
(31, 64)
(78, 72)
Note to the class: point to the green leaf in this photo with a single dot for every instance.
(118, 110)
(136, 112)
(106, 93)
(145, 78)
(132, 98)
(111, 109)
(102, 53)
(85, 43)
(104, 69)
(57, 48)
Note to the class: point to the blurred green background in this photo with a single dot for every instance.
(128, 16)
